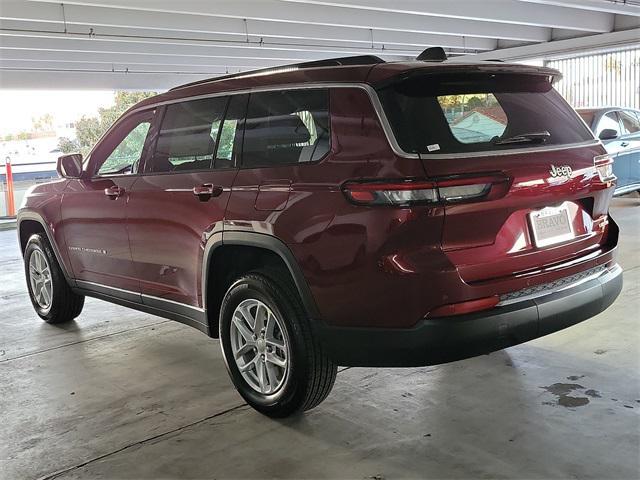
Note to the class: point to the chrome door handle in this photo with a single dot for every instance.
(206, 191)
(624, 144)
(114, 192)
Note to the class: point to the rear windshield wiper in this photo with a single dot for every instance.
(532, 137)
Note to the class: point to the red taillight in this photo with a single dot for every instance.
(604, 167)
(391, 193)
(415, 192)
(465, 307)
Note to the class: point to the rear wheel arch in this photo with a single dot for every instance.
(233, 254)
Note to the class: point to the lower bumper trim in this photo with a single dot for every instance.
(440, 340)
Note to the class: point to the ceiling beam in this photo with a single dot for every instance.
(564, 48)
(82, 19)
(127, 59)
(28, 79)
(66, 42)
(62, 65)
(272, 11)
(115, 33)
(607, 6)
(500, 11)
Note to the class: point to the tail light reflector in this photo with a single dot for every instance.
(465, 307)
(415, 192)
(604, 166)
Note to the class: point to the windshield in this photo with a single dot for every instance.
(456, 113)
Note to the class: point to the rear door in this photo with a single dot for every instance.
(181, 197)
(514, 164)
(286, 135)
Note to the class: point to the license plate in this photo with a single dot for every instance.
(551, 225)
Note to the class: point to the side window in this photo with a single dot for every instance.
(188, 135)
(286, 127)
(125, 157)
(610, 120)
(473, 118)
(629, 121)
(231, 133)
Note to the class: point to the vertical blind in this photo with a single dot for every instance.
(604, 79)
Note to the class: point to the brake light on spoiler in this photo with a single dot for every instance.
(455, 189)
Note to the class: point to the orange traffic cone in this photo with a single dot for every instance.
(11, 207)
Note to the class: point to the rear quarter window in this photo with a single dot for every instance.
(286, 127)
(462, 113)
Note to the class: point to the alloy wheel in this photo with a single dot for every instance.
(40, 279)
(260, 346)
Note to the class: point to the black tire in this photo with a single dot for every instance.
(311, 373)
(65, 305)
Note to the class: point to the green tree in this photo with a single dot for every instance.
(475, 102)
(90, 129)
(66, 145)
(42, 124)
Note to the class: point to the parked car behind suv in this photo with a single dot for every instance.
(619, 130)
(343, 212)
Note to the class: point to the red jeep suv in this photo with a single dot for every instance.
(341, 212)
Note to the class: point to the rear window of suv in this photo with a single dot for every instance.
(466, 113)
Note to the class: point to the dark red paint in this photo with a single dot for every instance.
(365, 266)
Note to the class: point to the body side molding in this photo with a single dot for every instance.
(192, 316)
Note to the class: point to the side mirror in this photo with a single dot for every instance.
(608, 134)
(70, 166)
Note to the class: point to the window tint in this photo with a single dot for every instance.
(475, 112)
(188, 135)
(286, 128)
(473, 118)
(608, 121)
(126, 155)
(629, 121)
(231, 133)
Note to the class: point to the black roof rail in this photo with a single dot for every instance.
(329, 62)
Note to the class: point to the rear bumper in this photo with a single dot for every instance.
(441, 340)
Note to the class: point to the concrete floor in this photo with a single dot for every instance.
(120, 394)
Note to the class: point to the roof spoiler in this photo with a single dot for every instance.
(470, 68)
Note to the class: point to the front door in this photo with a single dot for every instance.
(617, 147)
(181, 197)
(94, 207)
